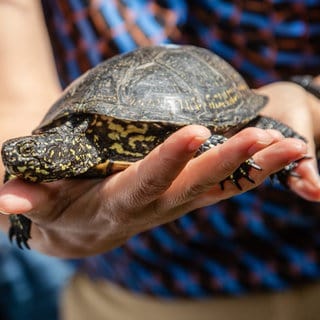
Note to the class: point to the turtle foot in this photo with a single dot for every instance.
(243, 170)
(288, 171)
(20, 230)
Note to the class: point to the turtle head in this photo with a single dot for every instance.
(54, 154)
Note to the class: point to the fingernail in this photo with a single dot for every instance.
(275, 134)
(202, 135)
(195, 143)
(12, 204)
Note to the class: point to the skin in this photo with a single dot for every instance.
(76, 218)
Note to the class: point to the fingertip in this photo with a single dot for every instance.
(300, 146)
(182, 144)
(200, 135)
(15, 198)
(276, 134)
(189, 138)
(308, 185)
(305, 189)
(251, 140)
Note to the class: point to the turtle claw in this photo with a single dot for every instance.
(284, 174)
(241, 172)
(20, 230)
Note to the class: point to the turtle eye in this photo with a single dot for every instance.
(26, 148)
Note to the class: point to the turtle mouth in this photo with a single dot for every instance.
(19, 166)
(26, 170)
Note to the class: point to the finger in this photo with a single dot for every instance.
(14, 197)
(40, 199)
(209, 169)
(308, 184)
(271, 159)
(144, 181)
(316, 80)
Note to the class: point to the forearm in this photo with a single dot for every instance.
(28, 78)
(315, 111)
(26, 61)
(312, 90)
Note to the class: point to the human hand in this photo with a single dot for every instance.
(293, 106)
(75, 218)
(314, 104)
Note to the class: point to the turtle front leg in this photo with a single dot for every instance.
(20, 226)
(268, 123)
(241, 172)
(20, 230)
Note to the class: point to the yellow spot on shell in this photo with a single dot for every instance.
(114, 135)
(140, 138)
(119, 148)
(124, 131)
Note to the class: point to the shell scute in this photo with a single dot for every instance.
(170, 84)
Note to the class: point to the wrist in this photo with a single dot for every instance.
(312, 87)
(309, 83)
(314, 105)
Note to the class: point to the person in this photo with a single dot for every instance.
(228, 243)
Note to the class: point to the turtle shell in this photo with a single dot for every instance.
(169, 84)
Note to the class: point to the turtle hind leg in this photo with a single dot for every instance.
(288, 171)
(284, 174)
(263, 122)
(20, 225)
(241, 172)
(20, 230)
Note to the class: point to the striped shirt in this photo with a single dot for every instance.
(265, 239)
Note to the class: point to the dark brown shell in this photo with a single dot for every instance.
(170, 84)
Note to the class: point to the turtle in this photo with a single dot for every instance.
(117, 112)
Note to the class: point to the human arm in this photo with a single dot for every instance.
(29, 83)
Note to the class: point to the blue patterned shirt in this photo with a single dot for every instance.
(266, 239)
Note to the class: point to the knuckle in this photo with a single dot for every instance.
(147, 188)
(194, 190)
(156, 214)
(115, 215)
(125, 207)
(168, 161)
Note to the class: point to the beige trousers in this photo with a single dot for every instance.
(89, 300)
